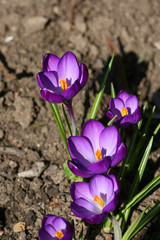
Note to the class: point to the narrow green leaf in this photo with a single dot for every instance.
(81, 234)
(116, 227)
(66, 119)
(113, 93)
(100, 93)
(138, 176)
(147, 218)
(148, 188)
(131, 149)
(133, 226)
(110, 123)
(57, 117)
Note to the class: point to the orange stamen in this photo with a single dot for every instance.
(59, 234)
(99, 200)
(124, 112)
(63, 84)
(98, 154)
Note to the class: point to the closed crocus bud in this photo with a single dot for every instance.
(62, 78)
(94, 200)
(54, 228)
(126, 107)
(96, 150)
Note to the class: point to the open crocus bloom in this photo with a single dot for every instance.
(62, 78)
(54, 228)
(94, 200)
(96, 150)
(126, 107)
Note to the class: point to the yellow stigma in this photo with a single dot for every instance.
(59, 234)
(63, 84)
(99, 200)
(98, 154)
(124, 112)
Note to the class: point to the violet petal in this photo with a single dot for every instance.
(79, 170)
(68, 67)
(109, 140)
(92, 130)
(120, 155)
(50, 62)
(51, 96)
(123, 95)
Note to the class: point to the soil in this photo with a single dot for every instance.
(29, 138)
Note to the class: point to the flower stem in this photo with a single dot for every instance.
(70, 110)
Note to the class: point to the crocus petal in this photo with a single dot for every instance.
(132, 103)
(68, 67)
(116, 105)
(81, 149)
(51, 96)
(120, 155)
(101, 166)
(59, 224)
(96, 219)
(92, 130)
(50, 62)
(109, 140)
(45, 235)
(71, 91)
(116, 183)
(111, 205)
(79, 170)
(83, 208)
(48, 219)
(48, 80)
(84, 74)
(102, 186)
(110, 115)
(80, 190)
(131, 119)
(123, 95)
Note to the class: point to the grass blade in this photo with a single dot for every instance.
(66, 119)
(133, 226)
(100, 93)
(147, 218)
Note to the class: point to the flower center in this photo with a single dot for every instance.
(63, 84)
(98, 154)
(124, 112)
(59, 234)
(99, 200)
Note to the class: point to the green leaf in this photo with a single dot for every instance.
(113, 93)
(133, 226)
(100, 93)
(66, 119)
(81, 234)
(139, 175)
(58, 119)
(147, 218)
(110, 123)
(116, 227)
(147, 189)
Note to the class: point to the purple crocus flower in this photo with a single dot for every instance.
(96, 150)
(94, 200)
(54, 228)
(126, 107)
(62, 78)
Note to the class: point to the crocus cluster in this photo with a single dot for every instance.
(97, 149)
(126, 107)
